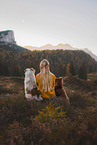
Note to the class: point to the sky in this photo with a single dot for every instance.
(41, 22)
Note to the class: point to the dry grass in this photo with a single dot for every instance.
(18, 124)
(11, 86)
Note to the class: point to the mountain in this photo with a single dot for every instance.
(7, 37)
(51, 47)
(60, 46)
(7, 42)
(90, 53)
(14, 59)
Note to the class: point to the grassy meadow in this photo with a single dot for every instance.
(50, 122)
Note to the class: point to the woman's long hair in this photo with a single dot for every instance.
(46, 76)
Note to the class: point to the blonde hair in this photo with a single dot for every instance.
(46, 76)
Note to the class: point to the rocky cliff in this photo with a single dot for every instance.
(7, 37)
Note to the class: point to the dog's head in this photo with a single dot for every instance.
(29, 69)
(59, 82)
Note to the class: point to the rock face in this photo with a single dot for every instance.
(7, 37)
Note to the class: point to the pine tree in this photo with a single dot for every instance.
(68, 70)
(0, 67)
(72, 70)
(83, 72)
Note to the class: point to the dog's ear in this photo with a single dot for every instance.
(33, 70)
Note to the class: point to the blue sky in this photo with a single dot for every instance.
(40, 22)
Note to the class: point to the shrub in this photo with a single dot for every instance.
(50, 112)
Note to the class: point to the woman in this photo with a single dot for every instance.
(45, 80)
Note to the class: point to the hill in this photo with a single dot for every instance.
(61, 46)
(18, 117)
(12, 47)
(14, 64)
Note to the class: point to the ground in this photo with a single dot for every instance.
(82, 90)
(18, 116)
(11, 86)
(85, 90)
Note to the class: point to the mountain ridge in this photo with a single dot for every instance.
(90, 53)
(61, 46)
(51, 47)
(12, 47)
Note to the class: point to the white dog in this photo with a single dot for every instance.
(31, 91)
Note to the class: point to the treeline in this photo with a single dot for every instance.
(14, 64)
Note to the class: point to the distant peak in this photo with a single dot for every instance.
(46, 46)
(60, 44)
(68, 45)
(86, 49)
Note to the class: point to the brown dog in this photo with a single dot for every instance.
(59, 89)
